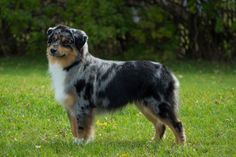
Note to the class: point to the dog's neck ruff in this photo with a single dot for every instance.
(71, 66)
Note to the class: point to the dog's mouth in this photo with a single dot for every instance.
(57, 55)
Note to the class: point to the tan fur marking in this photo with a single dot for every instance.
(68, 59)
(152, 118)
(74, 125)
(147, 113)
(71, 99)
(69, 104)
(179, 137)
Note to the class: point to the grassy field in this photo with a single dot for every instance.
(33, 124)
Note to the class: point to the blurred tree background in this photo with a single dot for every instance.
(169, 29)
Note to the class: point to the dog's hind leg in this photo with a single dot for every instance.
(158, 125)
(167, 115)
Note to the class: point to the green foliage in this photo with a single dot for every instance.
(211, 29)
(233, 28)
(104, 21)
(155, 32)
(111, 27)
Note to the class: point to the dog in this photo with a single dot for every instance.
(85, 86)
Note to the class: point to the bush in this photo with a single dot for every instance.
(115, 27)
(109, 24)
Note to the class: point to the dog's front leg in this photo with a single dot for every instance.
(74, 126)
(85, 125)
(82, 126)
(70, 105)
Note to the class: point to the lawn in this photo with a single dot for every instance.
(33, 124)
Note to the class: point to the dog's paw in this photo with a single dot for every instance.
(79, 141)
(82, 141)
(158, 138)
(89, 140)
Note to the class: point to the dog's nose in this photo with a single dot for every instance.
(53, 51)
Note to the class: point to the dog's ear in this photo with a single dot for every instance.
(50, 31)
(80, 38)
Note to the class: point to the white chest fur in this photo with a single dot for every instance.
(58, 81)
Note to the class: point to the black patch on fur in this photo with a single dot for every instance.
(145, 102)
(101, 94)
(99, 74)
(49, 32)
(178, 126)
(157, 66)
(68, 46)
(50, 39)
(91, 78)
(85, 66)
(81, 128)
(164, 110)
(71, 66)
(166, 86)
(109, 70)
(88, 91)
(91, 105)
(133, 81)
(169, 94)
(80, 40)
(163, 129)
(79, 86)
(156, 96)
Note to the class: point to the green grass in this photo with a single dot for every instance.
(33, 124)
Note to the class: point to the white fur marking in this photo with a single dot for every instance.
(58, 81)
(78, 141)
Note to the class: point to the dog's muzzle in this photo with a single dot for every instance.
(54, 53)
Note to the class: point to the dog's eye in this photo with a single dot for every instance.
(66, 43)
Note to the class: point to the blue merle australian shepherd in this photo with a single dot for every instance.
(86, 85)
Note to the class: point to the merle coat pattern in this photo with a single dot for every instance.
(86, 85)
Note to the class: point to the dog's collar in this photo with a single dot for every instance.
(71, 66)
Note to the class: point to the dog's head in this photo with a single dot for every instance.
(66, 45)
